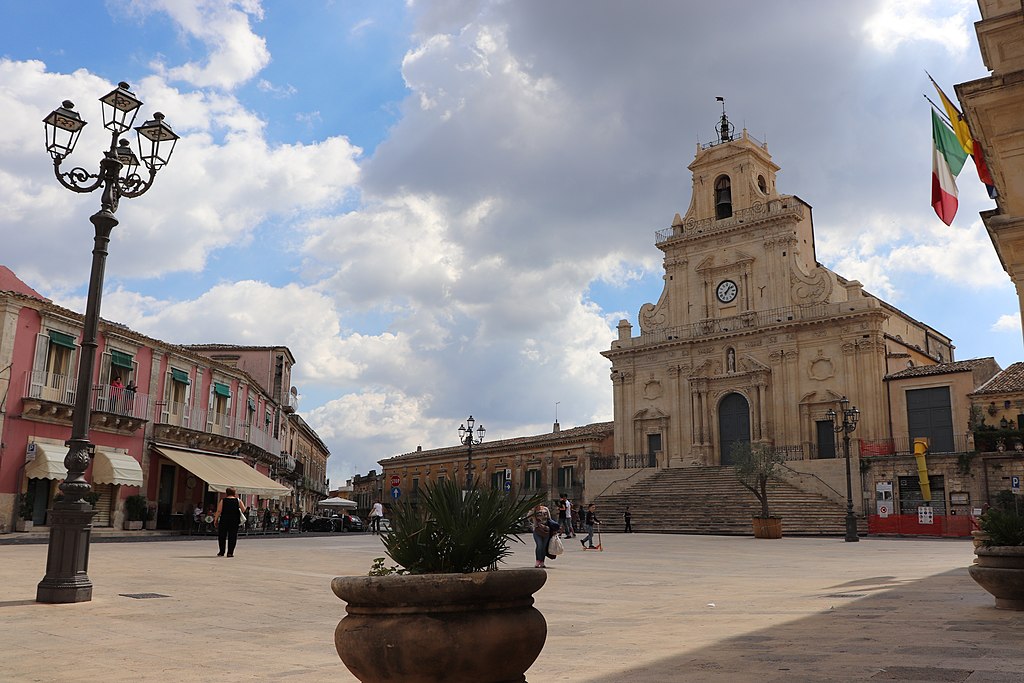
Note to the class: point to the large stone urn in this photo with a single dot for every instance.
(432, 628)
(1000, 571)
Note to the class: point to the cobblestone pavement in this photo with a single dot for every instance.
(648, 608)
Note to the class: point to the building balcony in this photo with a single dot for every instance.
(198, 427)
(759, 211)
(748, 321)
(51, 398)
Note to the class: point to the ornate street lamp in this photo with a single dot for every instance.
(469, 440)
(843, 423)
(67, 559)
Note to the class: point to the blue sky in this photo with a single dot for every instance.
(444, 208)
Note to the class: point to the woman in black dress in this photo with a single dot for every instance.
(228, 516)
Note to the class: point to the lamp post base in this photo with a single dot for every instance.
(851, 529)
(67, 562)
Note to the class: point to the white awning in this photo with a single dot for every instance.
(48, 462)
(115, 466)
(223, 472)
(338, 503)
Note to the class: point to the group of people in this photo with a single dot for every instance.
(544, 527)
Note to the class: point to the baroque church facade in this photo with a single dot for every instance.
(752, 339)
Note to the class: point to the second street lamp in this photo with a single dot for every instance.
(67, 558)
(844, 422)
(468, 440)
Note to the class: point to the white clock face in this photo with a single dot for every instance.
(726, 291)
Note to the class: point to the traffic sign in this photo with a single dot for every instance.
(395, 480)
(883, 510)
(1015, 484)
(508, 485)
(395, 492)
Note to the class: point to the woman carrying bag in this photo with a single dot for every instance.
(541, 517)
(228, 517)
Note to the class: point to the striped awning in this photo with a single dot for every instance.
(48, 462)
(116, 467)
(223, 472)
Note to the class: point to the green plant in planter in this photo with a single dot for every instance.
(136, 508)
(756, 465)
(26, 505)
(91, 498)
(1003, 527)
(451, 531)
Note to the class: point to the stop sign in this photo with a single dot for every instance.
(395, 480)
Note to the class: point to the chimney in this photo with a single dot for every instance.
(556, 428)
(419, 449)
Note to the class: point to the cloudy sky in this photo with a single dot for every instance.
(445, 207)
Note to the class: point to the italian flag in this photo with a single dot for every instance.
(948, 158)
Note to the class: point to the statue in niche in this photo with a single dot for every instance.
(730, 360)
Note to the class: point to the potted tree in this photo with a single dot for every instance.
(756, 465)
(444, 613)
(150, 516)
(26, 510)
(135, 510)
(999, 560)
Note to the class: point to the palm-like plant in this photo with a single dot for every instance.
(455, 531)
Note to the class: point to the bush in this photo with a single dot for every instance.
(451, 531)
(136, 508)
(26, 505)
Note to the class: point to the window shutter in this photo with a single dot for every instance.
(103, 395)
(38, 379)
(165, 412)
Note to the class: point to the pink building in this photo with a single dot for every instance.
(168, 423)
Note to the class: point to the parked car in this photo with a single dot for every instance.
(322, 524)
(351, 523)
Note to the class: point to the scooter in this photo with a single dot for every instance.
(598, 546)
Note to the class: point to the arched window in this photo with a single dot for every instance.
(723, 197)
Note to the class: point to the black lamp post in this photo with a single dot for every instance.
(469, 440)
(67, 559)
(843, 423)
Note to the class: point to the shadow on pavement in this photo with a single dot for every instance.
(941, 628)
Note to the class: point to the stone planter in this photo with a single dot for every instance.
(133, 525)
(151, 524)
(433, 628)
(767, 527)
(1000, 571)
(23, 525)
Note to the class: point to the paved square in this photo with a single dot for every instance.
(649, 608)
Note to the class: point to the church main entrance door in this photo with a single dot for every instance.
(733, 425)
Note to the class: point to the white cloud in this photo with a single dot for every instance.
(236, 53)
(905, 21)
(1007, 323)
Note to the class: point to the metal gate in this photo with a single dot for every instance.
(733, 425)
(103, 505)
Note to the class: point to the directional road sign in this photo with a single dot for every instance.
(395, 492)
(508, 485)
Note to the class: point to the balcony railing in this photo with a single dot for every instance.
(632, 461)
(758, 211)
(200, 420)
(604, 462)
(62, 389)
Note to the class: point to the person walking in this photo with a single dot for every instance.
(375, 514)
(540, 517)
(627, 516)
(227, 518)
(562, 511)
(591, 520)
(567, 529)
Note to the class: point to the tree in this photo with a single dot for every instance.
(756, 464)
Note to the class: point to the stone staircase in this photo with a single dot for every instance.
(710, 500)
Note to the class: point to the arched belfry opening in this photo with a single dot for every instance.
(723, 197)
